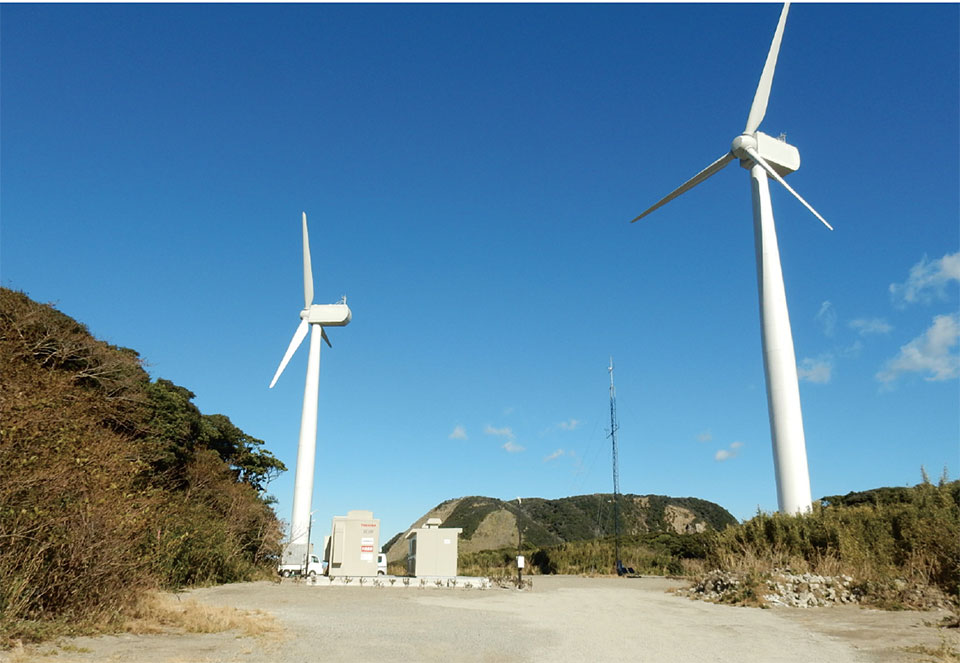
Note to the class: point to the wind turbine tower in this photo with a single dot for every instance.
(766, 157)
(313, 319)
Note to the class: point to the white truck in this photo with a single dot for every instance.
(315, 567)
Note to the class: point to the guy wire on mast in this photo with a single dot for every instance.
(616, 473)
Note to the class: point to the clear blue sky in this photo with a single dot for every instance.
(469, 173)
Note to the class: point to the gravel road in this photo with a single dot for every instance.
(560, 619)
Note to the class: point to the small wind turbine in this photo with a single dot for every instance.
(763, 155)
(313, 318)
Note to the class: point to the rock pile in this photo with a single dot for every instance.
(780, 588)
(715, 586)
(809, 590)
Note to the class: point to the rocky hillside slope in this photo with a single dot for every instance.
(489, 523)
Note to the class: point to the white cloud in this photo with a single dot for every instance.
(705, 436)
(818, 371)
(556, 454)
(827, 317)
(867, 326)
(929, 353)
(927, 279)
(459, 433)
(852, 351)
(570, 424)
(727, 454)
(506, 431)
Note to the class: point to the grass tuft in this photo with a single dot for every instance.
(160, 612)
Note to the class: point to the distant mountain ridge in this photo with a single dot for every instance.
(489, 523)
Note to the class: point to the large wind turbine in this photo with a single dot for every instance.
(313, 318)
(765, 156)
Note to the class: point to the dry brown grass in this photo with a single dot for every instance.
(163, 612)
(945, 653)
(158, 613)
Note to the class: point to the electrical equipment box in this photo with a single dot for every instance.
(432, 550)
(354, 544)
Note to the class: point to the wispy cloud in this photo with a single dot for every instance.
(867, 326)
(827, 317)
(727, 454)
(929, 353)
(927, 279)
(851, 351)
(556, 454)
(818, 371)
(705, 436)
(459, 433)
(510, 445)
(568, 425)
(506, 431)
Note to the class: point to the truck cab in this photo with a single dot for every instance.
(315, 567)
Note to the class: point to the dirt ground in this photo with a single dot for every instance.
(560, 619)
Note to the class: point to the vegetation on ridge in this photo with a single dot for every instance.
(896, 542)
(490, 523)
(111, 483)
(901, 547)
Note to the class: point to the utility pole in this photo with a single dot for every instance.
(520, 559)
(306, 557)
(616, 474)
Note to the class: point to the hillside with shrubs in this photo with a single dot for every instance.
(113, 483)
(895, 547)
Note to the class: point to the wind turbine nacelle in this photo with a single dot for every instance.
(327, 315)
(783, 156)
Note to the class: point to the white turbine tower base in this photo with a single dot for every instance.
(307, 445)
(313, 318)
(768, 157)
(779, 360)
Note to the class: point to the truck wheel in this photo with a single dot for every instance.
(285, 573)
(381, 573)
(312, 574)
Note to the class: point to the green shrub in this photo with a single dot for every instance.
(882, 538)
(110, 482)
(906, 533)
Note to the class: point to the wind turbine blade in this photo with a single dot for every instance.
(775, 175)
(307, 268)
(715, 167)
(323, 333)
(759, 107)
(295, 342)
